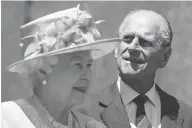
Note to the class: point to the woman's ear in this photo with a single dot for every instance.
(166, 54)
(34, 79)
(42, 75)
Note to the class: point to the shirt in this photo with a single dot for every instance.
(14, 117)
(152, 106)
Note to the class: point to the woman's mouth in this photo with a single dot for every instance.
(82, 85)
(82, 89)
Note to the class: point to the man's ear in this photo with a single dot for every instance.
(166, 54)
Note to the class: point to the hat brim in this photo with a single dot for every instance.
(99, 48)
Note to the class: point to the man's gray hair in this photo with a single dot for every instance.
(165, 35)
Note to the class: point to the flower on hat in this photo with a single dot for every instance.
(61, 33)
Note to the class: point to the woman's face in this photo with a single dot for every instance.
(71, 76)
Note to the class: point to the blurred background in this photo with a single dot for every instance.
(175, 78)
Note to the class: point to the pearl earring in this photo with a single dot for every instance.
(44, 82)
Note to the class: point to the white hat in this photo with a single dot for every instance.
(62, 32)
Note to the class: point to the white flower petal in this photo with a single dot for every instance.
(99, 21)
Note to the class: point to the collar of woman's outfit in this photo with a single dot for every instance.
(51, 118)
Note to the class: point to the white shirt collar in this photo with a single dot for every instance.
(128, 94)
(152, 106)
(153, 95)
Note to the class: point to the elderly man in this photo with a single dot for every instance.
(134, 100)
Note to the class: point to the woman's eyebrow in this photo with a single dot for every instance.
(76, 58)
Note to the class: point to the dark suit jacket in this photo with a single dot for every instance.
(108, 108)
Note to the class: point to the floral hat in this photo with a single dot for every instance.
(62, 32)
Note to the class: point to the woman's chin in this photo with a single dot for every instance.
(76, 97)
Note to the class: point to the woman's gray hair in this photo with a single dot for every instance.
(39, 70)
(165, 32)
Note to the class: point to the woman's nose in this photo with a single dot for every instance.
(86, 72)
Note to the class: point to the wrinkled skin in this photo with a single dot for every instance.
(140, 53)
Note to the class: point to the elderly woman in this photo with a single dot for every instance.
(59, 51)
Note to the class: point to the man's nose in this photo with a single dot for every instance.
(133, 47)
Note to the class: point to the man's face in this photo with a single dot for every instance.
(139, 52)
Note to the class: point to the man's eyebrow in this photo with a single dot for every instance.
(128, 34)
(145, 37)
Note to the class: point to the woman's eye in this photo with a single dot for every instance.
(89, 65)
(79, 65)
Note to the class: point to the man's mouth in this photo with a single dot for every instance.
(139, 61)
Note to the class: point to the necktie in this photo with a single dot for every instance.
(140, 101)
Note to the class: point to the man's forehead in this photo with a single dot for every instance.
(140, 28)
(148, 14)
(140, 23)
(141, 20)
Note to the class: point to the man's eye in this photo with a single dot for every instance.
(145, 43)
(128, 39)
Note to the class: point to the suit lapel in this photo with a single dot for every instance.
(84, 121)
(169, 110)
(167, 122)
(114, 114)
